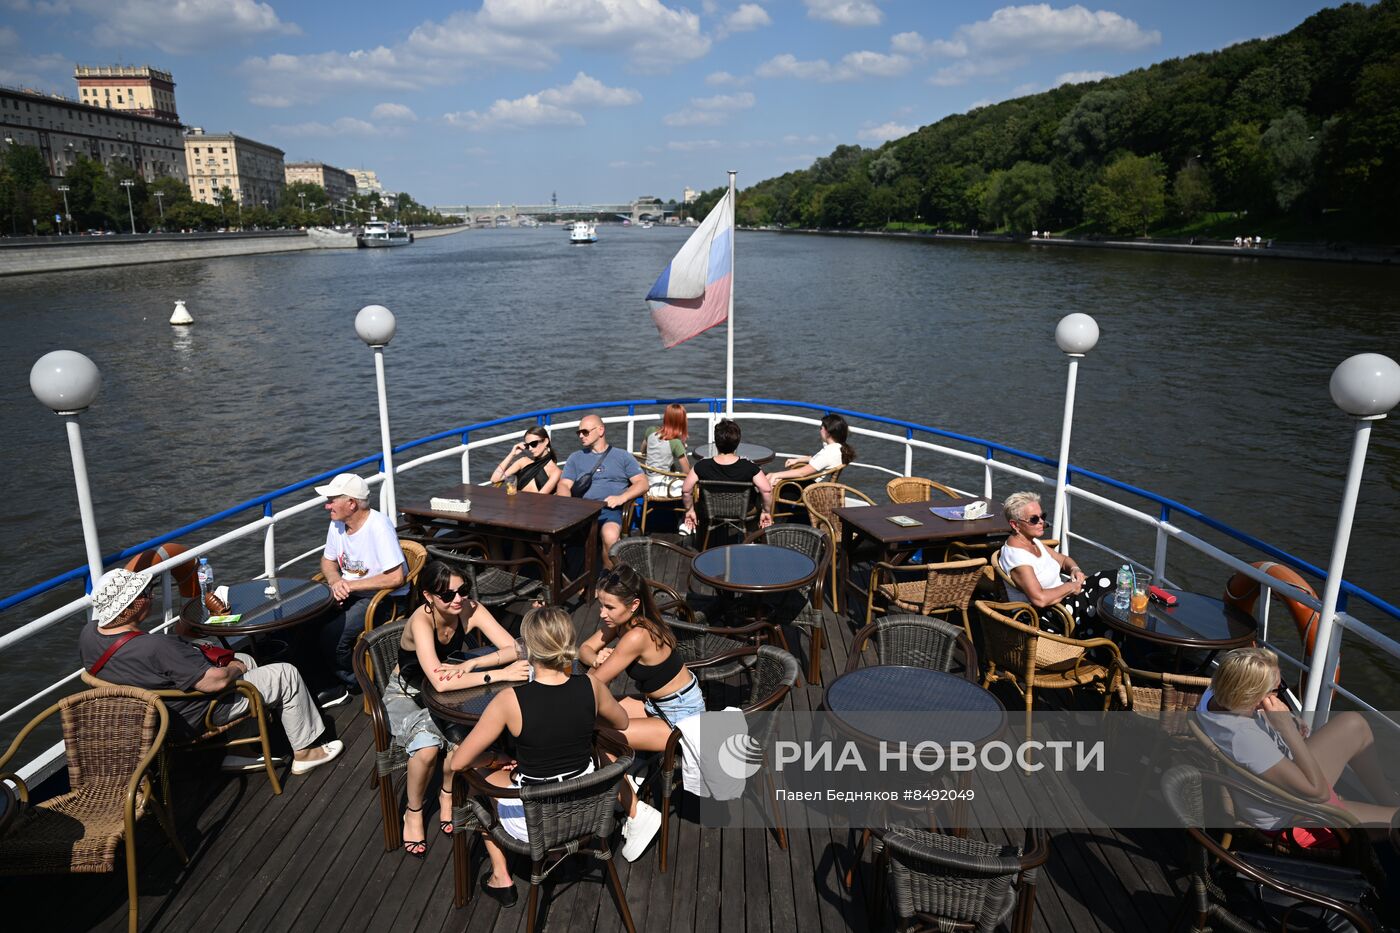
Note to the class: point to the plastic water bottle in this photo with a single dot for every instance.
(206, 578)
(1123, 596)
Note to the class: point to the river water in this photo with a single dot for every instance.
(1209, 383)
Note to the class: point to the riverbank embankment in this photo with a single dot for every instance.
(63, 254)
(1378, 255)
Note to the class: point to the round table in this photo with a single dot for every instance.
(895, 703)
(753, 568)
(1195, 622)
(296, 602)
(755, 452)
(465, 707)
(9, 807)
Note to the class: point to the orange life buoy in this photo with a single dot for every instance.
(183, 575)
(1242, 592)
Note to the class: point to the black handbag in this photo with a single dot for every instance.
(585, 482)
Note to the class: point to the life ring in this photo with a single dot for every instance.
(184, 575)
(1242, 592)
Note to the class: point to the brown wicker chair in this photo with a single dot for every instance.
(112, 736)
(821, 501)
(1011, 594)
(1167, 700)
(376, 656)
(926, 589)
(905, 489)
(493, 583)
(787, 493)
(650, 500)
(212, 732)
(415, 556)
(1016, 651)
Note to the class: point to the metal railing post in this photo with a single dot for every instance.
(987, 473)
(466, 459)
(908, 452)
(1159, 556)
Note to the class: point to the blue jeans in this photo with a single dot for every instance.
(341, 631)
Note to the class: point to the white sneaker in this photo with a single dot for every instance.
(640, 830)
(331, 749)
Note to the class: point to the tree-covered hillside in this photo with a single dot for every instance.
(1287, 128)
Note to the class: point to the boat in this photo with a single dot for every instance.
(581, 231)
(325, 238)
(646, 225)
(380, 233)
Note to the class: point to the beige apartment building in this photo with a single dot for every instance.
(143, 90)
(337, 182)
(62, 129)
(366, 181)
(253, 171)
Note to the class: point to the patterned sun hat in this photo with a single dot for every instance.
(117, 590)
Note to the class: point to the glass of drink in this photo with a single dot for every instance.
(1138, 603)
(511, 484)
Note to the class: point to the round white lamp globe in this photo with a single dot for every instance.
(376, 325)
(65, 381)
(1076, 333)
(1366, 385)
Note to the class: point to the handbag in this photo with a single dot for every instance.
(585, 482)
(219, 657)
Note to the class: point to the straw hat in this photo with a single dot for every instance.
(116, 591)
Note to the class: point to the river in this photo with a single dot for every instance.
(1209, 383)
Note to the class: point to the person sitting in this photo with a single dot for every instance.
(531, 462)
(663, 448)
(433, 650)
(362, 556)
(114, 648)
(1037, 571)
(633, 639)
(835, 451)
(551, 718)
(604, 474)
(1243, 714)
(727, 466)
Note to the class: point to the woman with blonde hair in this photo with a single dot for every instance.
(1040, 573)
(552, 719)
(1244, 714)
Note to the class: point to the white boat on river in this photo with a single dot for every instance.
(380, 233)
(582, 232)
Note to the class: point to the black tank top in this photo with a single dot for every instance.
(556, 726)
(652, 677)
(409, 668)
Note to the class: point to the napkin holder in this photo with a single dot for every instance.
(439, 504)
(974, 510)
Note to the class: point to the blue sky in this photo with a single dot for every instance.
(600, 100)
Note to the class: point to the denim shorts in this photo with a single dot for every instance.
(684, 703)
(610, 515)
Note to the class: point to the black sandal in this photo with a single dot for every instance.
(445, 826)
(418, 848)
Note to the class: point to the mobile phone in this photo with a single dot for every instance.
(1161, 595)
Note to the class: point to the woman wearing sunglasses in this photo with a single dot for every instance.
(433, 650)
(531, 462)
(1039, 572)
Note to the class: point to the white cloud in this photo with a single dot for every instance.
(622, 163)
(649, 33)
(811, 139)
(183, 27)
(845, 12)
(911, 43)
(962, 72)
(724, 79)
(748, 17)
(693, 145)
(885, 132)
(49, 71)
(271, 100)
(1081, 77)
(691, 117)
(345, 126)
(550, 107)
(1037, 28)
(710, 111)
(741, 101)
(393, 113)
(852, 66)
(788, 65)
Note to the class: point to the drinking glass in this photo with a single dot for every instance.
(1138, 603)
(511, 484)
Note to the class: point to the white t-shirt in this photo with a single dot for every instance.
(1252, 743)
(828, 458)
(374, 549)
(1042, 564)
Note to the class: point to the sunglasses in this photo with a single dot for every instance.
(1032, 520)
(463, 591)
(585, 432)
(531, 445)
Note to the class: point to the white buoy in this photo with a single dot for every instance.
(182, 314)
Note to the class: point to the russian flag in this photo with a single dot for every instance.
(692, 293)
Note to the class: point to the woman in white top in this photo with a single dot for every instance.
(835, 451)
(1037, 571)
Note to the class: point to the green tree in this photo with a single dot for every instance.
(1020, 197)
(1240, 168)
(1291, 149)
(1192, 194)
(1130, 195)
(24, 178)
(173, 192)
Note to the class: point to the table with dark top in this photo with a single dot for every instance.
(755, 452)
(465, 706)
(297, 601)
(544, 524)
(891, 541)
(751, 572)
(9, 807)
(1196, 622)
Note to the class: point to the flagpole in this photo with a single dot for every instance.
(729, 367)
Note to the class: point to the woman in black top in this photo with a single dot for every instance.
(552, 719)
(729, 467)
(435, 633)
(531, 462)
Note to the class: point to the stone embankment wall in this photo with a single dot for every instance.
(61, 254)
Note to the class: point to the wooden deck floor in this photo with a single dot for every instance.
(312, 859)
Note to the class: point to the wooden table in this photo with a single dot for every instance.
(872, 522)
(544, 524)
(1196, 622)
(296, 601)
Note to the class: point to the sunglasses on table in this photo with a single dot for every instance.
(463, 591)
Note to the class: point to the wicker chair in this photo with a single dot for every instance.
(415, 556)
(493, 583)
(213, 732)
(650, 500)
(821, 501)
(1011, 594)
(111, 736)
(573, 817)
(951, 883)
(773, 672)
(663, 562)
(904, 489)
(726, 505)
(787, 493)
(803, 608)
(915, 641)
(1167, 701)
(926, 589)
(376, 657)
(1276, 892)
(1018, 652)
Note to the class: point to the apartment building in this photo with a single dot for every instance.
(366, 181)
(337, 182)
(143, 90)
(252, 171)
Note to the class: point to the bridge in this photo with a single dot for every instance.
(486, 215)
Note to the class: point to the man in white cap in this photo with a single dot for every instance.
(111, 649)
(362, 557)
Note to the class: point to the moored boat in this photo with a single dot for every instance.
(581, 232)
(380, 233)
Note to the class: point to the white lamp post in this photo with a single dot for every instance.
(376, 325)
(1076, 335)
(67, 216)
(127, 183)
(160, 206)
(1367, 387)
(67, 382)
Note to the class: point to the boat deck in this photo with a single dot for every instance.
(313, 859)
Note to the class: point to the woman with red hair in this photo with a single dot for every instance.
(663, 448)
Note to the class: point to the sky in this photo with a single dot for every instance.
(512, 101)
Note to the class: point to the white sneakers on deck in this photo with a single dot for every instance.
(638, 831)
(331, 749)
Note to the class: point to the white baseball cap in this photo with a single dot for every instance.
(345, 484)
